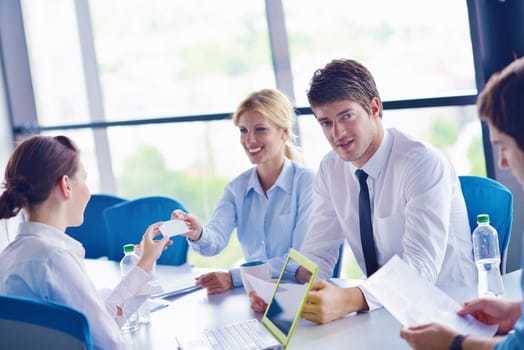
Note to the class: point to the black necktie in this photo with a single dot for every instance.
(366, 228)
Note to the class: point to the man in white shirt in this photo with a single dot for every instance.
(416, 204)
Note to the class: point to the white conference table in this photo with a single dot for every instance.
(196, 310)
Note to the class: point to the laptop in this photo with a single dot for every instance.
(277, 325)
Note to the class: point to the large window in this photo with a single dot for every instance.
(189, 161)
(412, 53)
(56, 61)
(165, 57)
(7, 229)
(5, 134)
(170, 58)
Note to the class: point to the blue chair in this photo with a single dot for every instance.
(487, 196)
(32, 324)
(126, 223)
(93, 233)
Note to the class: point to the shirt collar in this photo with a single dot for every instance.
(378, 161)
(284, 180)
(52, 236)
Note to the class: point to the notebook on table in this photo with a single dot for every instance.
(275, 329)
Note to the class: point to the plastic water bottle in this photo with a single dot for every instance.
(129, 260)
(487, 257)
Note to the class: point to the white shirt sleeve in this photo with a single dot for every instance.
(324, 234)
(68, 282)
(427, 189)
(216, 233)
(129, 294)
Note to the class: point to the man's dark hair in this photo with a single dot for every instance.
(343, 79)
(502, 101)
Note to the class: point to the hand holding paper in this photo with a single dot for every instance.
(173, 228)
(414, 301)
(194, 228)
(264, 289)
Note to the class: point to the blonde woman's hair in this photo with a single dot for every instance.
(276, 107)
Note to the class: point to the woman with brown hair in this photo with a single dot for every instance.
(46, 180)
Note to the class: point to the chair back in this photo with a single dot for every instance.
(126, 223)
(32, 324)
(487, 196)
(93, 232)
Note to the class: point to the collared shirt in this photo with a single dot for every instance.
(418, 212)
(44, 263)
(268, 224)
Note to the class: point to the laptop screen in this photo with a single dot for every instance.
(285, 307)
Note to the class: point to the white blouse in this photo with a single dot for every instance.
(44, 263)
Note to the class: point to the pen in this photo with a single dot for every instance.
(159, 307)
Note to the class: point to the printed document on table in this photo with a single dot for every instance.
(413, 301)
(176, 285)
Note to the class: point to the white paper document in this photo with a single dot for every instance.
(173, 227)
(177, 284)
(413, 301)
(264, 289)
(290, 293)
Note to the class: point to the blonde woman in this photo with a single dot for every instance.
(269, 204)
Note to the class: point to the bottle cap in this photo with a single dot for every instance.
(482, 218)
(129, 248)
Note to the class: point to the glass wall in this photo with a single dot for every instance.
(56, 61)
(162, 58)
(165, 57)
(8, 228)
(6, 143)
(412, 54)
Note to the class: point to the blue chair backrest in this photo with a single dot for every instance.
(487, 196)
(93, 232)
(126, 223)
(35, 324)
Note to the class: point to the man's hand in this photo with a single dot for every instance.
(428, 337)
(215, 282)
(504, 313)
(326, 302)
(195, 228)
(257, 303)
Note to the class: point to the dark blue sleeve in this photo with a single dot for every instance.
(514, 340)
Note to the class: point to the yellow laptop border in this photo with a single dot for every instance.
(311, 267)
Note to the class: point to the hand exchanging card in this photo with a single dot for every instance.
(173, 228)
